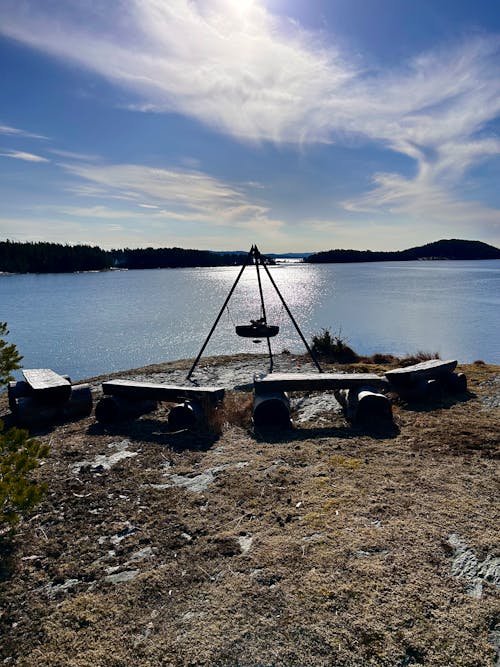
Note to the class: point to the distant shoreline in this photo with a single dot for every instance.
(41, 257)
(280, 264)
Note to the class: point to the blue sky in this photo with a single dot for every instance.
(295, 124)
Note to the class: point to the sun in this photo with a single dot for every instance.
(244, 6)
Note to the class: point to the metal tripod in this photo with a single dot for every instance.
(255, 256)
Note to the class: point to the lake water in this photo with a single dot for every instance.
(92, 323)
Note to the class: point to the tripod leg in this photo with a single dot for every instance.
(311, 353)
(247, 261)
(271, 361)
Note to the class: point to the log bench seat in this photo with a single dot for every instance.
(316, 381)
(47, 385)
(426, 380)
(159, 392)
(359, 394)
(127, 399)
(425, 370)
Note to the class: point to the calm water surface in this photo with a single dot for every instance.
(92, 323)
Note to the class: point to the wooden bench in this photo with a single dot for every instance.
(46, 385)
(358, 393)
(316, 381)
(426, 370)
(426, 379)
(127, 399)
(45, 397)
(159, 392)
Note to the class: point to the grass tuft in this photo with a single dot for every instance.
(333, 347)
(418, 357)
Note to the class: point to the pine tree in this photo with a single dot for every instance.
(19, 454)
(10, 359)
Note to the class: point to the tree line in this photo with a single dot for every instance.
(43, 257)
(444, 249)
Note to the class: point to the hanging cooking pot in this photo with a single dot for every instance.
(257, 329)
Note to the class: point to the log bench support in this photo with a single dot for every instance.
(44, 397)
(271, 411)
(364, 405)
(187, 415)
(119, 408)
(428, 380)
(359, 394)
(128, 399)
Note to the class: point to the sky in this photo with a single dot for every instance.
(298, 125)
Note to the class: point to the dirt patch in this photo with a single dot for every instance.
(325, 545)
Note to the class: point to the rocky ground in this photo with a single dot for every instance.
(328, 544)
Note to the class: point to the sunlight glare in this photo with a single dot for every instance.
(243, 6)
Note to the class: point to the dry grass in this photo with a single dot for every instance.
(324, 546)
(236, 410)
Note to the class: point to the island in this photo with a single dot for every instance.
(451, 249)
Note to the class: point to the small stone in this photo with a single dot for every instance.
(121, 577)
(245, 542)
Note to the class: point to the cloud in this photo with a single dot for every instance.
(433, 195)
(254, 76)
(14, 131)
(93, 212)
(72, 155)
(26, 157)
(241, 71)
(168, 194)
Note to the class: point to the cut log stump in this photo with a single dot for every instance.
(17, 390)
(80, 402)
(455, 383)
(364, 404)
(186, 415)
(271, 411)
(118, 408)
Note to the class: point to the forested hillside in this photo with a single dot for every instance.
(444, 249)
(44, 257)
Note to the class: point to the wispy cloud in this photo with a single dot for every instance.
(93, 212)
(26, 157)
(72, 155)
(16, 132)
(239, 72)
(168, 194)
(255, 77)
